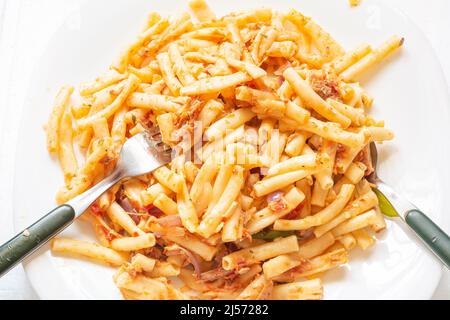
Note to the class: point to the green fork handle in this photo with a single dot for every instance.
(34, 237)
(436, 239)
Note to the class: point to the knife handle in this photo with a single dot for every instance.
(436, 239)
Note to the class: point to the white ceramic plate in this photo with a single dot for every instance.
(410, 95)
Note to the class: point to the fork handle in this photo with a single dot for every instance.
(40, 232)
(436, 239)
(34, 237)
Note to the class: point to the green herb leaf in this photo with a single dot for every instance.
(385, 206)
(272, 234)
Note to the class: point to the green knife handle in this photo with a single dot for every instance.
(34, 237)
(431, 234)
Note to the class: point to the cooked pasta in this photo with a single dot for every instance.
(271, 188)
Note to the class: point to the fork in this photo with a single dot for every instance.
(141, 154)
(390, 201)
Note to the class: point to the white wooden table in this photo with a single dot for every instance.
(25, 28)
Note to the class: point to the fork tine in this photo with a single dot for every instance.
(156, 140)
(143, 153)
(153, 131)
(167, 148)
